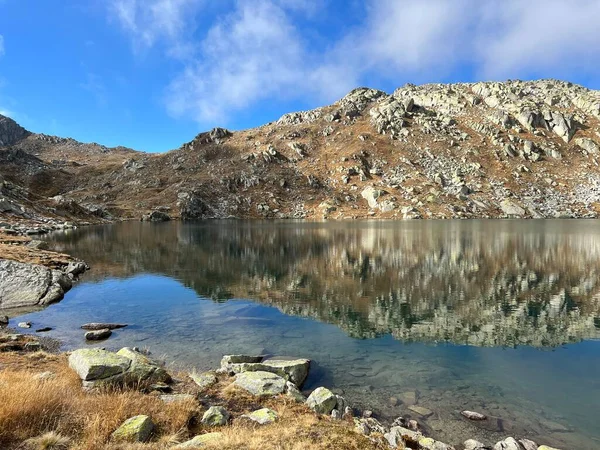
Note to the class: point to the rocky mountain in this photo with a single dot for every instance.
(493, 149)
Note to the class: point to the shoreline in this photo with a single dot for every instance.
(246, 381)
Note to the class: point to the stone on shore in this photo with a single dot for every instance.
(94, 364)
(528, 445)
(204, 380)
(262, 416)
(322, 401)
(545, 447)
(98, 335)
(427, 443)
(508, 444)
(215, 416)
(135, 429)
(260, 383)
(294, 370)
(198, 441)
(23, 285)
(293, 392)
(143, 368)
(472, 444)
(3, 321)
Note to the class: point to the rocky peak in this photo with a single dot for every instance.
(11, 131)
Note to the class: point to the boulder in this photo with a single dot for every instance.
(95, 364)
(204, 380)
(135, 429)
(545, 447)
(322, 400)
(260, 383)
(3, 321)
(98, 335)
(24, 285)
(215, 416)
(421, 410)
(371, 195)
(262, 416)
(198, 441)
(143, 368)
(294, 370)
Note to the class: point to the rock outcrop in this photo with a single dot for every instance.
(30, 285)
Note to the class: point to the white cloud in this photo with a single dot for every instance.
(264, 49)
(148, 21)
(1, 45)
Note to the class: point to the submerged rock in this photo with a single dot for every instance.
(472, 444)
(102, 326)
(135, 429)
(472, 415)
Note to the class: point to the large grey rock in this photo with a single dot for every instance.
(371, 195)
(528, 445)
(238, 359)
(135, 429)
(295, 370)
(472, 444)
(23, 285)
(143, 368)
(97, 367)
(260, 383)
(95, 364)
(322, 400)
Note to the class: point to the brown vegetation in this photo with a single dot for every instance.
(54, 412)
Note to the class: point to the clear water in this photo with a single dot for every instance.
(500, 317)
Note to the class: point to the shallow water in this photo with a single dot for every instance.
(500, 317)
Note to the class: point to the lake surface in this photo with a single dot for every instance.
(500, 317)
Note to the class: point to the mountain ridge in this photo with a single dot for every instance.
(462, 150)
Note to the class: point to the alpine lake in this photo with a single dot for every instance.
(500, 317)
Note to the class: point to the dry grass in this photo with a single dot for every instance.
(56, 413)
(32, 407)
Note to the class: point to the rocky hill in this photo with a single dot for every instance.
(496, 149)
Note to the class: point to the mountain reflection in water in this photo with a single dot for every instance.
(483, 283)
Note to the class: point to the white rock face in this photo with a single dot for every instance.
(24, 285)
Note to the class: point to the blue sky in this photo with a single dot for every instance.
(151, 74)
